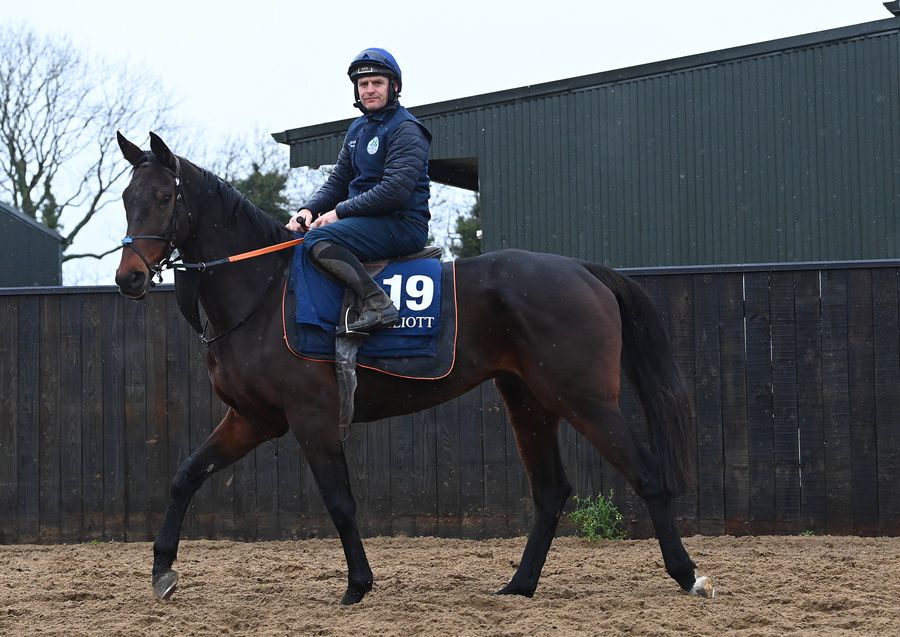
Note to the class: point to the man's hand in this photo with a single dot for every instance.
(300, 221)
(324, 220)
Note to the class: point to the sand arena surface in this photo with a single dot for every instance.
(430, 586)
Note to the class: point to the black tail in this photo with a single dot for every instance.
(647, 359)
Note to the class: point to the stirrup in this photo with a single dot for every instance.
(381, 322)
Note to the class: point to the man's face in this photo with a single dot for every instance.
(373, 91)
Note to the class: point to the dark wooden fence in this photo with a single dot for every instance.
(795, 372)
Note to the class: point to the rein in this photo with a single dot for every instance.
(168, 263)
(205, 265)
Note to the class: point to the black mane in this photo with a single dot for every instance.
(236, 205)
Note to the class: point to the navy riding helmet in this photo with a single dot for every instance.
(376, 62)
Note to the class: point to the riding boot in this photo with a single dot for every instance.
(377, 310)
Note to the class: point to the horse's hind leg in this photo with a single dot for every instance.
(230, 441)
(536, 437)
(612, 436)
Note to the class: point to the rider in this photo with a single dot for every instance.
(374, 204)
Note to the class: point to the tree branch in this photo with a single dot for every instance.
(89, 255)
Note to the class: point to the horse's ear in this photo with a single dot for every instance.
(132, 153)
(162, 152)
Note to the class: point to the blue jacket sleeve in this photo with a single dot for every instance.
(407, 153)
(336, 187)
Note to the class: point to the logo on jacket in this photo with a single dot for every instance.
(372, 148)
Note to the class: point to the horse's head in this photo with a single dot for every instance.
(152, 209)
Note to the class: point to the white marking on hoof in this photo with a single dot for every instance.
(703, 587)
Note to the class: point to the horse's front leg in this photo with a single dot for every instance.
(230, 441)
(325, 455)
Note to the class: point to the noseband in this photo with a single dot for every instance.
(169, 237)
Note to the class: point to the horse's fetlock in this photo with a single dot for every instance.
(683, 573)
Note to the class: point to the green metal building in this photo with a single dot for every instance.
(30, 254)
(782, 151)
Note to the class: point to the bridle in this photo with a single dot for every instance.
(166, 262)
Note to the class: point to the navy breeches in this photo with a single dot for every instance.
(373, 238)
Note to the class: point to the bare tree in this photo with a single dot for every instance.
(240, 156)
(58, 115)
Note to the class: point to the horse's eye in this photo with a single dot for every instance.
(165, 198)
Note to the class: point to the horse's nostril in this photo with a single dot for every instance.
(132, 283)
(137, 279)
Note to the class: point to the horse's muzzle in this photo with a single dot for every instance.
(133, 283)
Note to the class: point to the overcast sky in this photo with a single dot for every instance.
(264, 65)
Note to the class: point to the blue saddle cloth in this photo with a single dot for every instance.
(414, 286)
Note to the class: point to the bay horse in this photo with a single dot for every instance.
(553, 333)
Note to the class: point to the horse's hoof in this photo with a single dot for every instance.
(165, 584)
(355, 594)
(703, 587)
(509, 589)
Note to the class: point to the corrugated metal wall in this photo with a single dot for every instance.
(28, 256)
(789, 155)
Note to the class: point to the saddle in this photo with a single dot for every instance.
(374, 268)
(346, 347)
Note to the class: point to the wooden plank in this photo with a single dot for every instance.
(861, 360)
(679, 299)
(200, 521)
(135, 416)
(266, 491)
(759, 404)
(735, 438)
(290, 496)
(786, 445)
(244, 489)
(886, 310)
(114, 439)
(91, 418)
(708, 406)
(403, 510)
(590, 467)
(177, 379)
(9, 415)
(424, 472)
(471, 468)
(50, 447)
(28, 434)
(447, 466)
(810, 417)
(158, 476)
(377, 519)
(494, 426)
(70, 370)
(836, 402)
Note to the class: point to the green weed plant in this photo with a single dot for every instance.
(597, 518)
